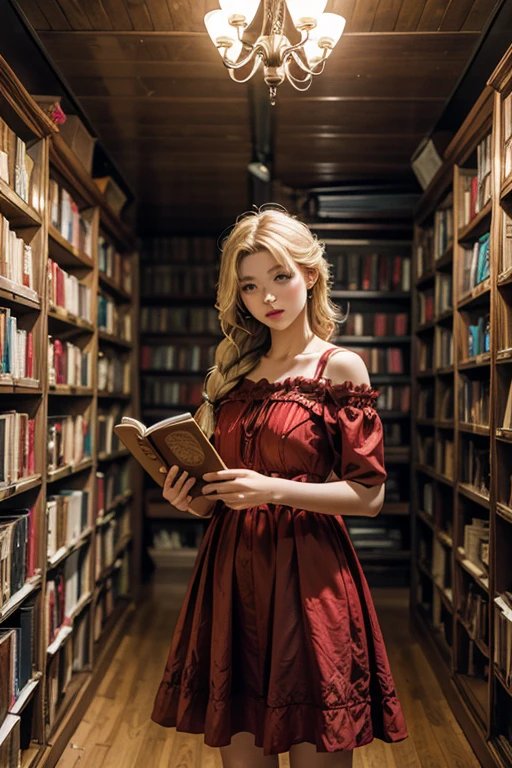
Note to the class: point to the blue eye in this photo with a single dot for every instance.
(282, 274)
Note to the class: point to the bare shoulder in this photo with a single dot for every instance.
(346, 366)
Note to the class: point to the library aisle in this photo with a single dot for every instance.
(127, 155)
(116, 731)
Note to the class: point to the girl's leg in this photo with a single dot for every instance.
(242, 753)
(305, 756)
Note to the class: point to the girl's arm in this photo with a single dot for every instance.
(342, 497)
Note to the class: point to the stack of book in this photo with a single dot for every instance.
(67, 364)
(17, 447)
(16, 349)
(68, 441)
(66, 291)
(68, 515)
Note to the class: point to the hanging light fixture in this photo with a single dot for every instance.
(319, 34)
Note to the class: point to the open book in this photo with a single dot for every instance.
(176, 440)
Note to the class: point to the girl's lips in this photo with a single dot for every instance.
(274, 314)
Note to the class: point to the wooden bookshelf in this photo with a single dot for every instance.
(363, 281)
(69, 659)
(461, 471)
(179, 334)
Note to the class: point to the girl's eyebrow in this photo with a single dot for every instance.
(272, 269)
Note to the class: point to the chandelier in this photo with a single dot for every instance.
(319, 34)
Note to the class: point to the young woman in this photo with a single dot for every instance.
(278, 647)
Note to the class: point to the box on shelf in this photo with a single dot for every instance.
(113, 194)
(79, 140)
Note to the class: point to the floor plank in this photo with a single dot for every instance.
(116, 731)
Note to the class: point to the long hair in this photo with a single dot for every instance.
(291, 243)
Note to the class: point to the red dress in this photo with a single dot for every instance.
(278, 635)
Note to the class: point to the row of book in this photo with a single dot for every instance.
(382, 360)
(68, 364)
(16, 349)
(475, 465)
(111, 484)
(108, 442)
(476, 543)
(476, 263)
(68, 584)
(474, 402)
(376, 324)
(17, 447)
(17, 655)
(176, 535)
(191, 357)
(479, 336)
(68, 440)
(190, 280)
(444, 347)
(443, 522)
(374, 535)
(443, 292)
(109, 537)
(476, 188)
(354, 271)
(503, 325)
(112, 264)
(506, 251)
(180, 250)
(394, 397)
(179, 320)
(474, 612)
(72, 656)
(158, 392)
(66, 291)
(434, 301)
(437, 454)
(17, 551)
(443, 230)
(68, 516)
(114, 373)
(16, 262)
(395, 434)
(503, 635)
(16, 164)
(115, 587)
(113, 318)
(66, 217)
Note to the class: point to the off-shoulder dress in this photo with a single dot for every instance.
(278, 634)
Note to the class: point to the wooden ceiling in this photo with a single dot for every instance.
(153, 86)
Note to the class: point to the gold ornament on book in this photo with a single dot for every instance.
(319, 34)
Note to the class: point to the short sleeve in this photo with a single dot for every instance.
(356, 435)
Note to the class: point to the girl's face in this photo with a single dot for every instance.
(265, 286)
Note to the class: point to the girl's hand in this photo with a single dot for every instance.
(176, 489)
(240, 488)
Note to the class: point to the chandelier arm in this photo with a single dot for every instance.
(307, 69)
(304, 39)
(294, 81)
(255, 49)
(256, 64)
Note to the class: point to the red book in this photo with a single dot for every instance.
(31, 464)
(31, 548)
(367, 272)
(29, 362)
(380, 324)
(397, 273)
(57, 361)
(401, 324)
(474, 196)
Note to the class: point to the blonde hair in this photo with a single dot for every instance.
(291, 243)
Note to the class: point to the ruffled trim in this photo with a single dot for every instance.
(319, 390)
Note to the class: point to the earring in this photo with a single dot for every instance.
(310, 294)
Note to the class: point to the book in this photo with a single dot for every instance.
(176, 440)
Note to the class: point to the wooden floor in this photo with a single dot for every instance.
(116, 731)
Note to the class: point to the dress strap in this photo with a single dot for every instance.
(323, 361)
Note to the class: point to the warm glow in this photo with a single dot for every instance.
(329, 29)
(305, 9)
(219, 28)
(245, 9)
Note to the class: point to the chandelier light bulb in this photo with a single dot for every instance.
(329, 29)
(297, 63)
(240, 12)
(223, 35)
(305, 12)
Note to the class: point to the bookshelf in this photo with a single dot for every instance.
(371, 277)
(179, 335)
(69, 526)
(462, 537)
